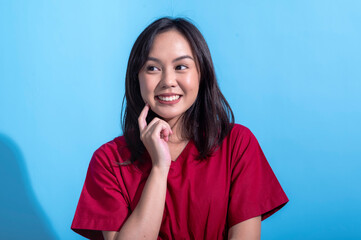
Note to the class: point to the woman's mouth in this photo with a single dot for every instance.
(168, 99)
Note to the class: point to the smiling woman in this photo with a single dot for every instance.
(183, 169)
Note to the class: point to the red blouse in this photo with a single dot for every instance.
(203, 200)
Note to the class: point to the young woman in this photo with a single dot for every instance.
(183, 169)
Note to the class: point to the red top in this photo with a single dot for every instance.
(203, 200)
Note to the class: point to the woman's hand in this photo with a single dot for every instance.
(155, 136)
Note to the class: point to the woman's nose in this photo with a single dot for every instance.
(168, 78)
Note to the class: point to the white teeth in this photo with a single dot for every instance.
(169, 99)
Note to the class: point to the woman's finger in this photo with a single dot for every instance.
(151, 123)
(149, 131)
(165, 133)
(162, 129)
(142, 118)
(152, 131)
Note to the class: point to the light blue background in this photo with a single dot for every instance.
(290, 70)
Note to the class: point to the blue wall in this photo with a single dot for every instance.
(290, 70)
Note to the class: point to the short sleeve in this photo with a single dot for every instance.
(102, 206)
(255, 189)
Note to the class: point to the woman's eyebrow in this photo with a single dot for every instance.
(182, 57)
(177, 59)
(153, 59)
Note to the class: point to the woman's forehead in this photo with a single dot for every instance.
(170, 45)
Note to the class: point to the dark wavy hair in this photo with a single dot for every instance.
(207, 122)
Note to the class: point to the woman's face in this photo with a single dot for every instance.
(169, 80)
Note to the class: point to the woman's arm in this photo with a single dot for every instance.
(246, 230)
(145, 220)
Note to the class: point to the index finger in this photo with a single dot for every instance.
(141, 119)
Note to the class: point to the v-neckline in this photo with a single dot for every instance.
(182, 148)
(181, 156)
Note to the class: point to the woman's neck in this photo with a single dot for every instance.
(177, 129)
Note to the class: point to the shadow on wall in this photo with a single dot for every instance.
(21, 216)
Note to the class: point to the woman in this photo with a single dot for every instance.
(183, 169)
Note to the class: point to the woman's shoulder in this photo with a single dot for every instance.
(116, 143)
(241, 135)
(115, 150)
(239, 129)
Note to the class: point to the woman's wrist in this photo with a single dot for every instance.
(160, 170)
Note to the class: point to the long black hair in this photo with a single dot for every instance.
(207, 122)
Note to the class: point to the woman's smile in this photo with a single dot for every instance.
(168, 98)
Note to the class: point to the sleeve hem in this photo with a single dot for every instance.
(264, 212)
(92, 229)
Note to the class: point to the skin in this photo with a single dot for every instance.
(171, 68)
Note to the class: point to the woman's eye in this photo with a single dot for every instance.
(181, 67)
(152, 68)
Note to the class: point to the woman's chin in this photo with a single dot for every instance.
(167, 118)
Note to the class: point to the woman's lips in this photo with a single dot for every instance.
(168, 99)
